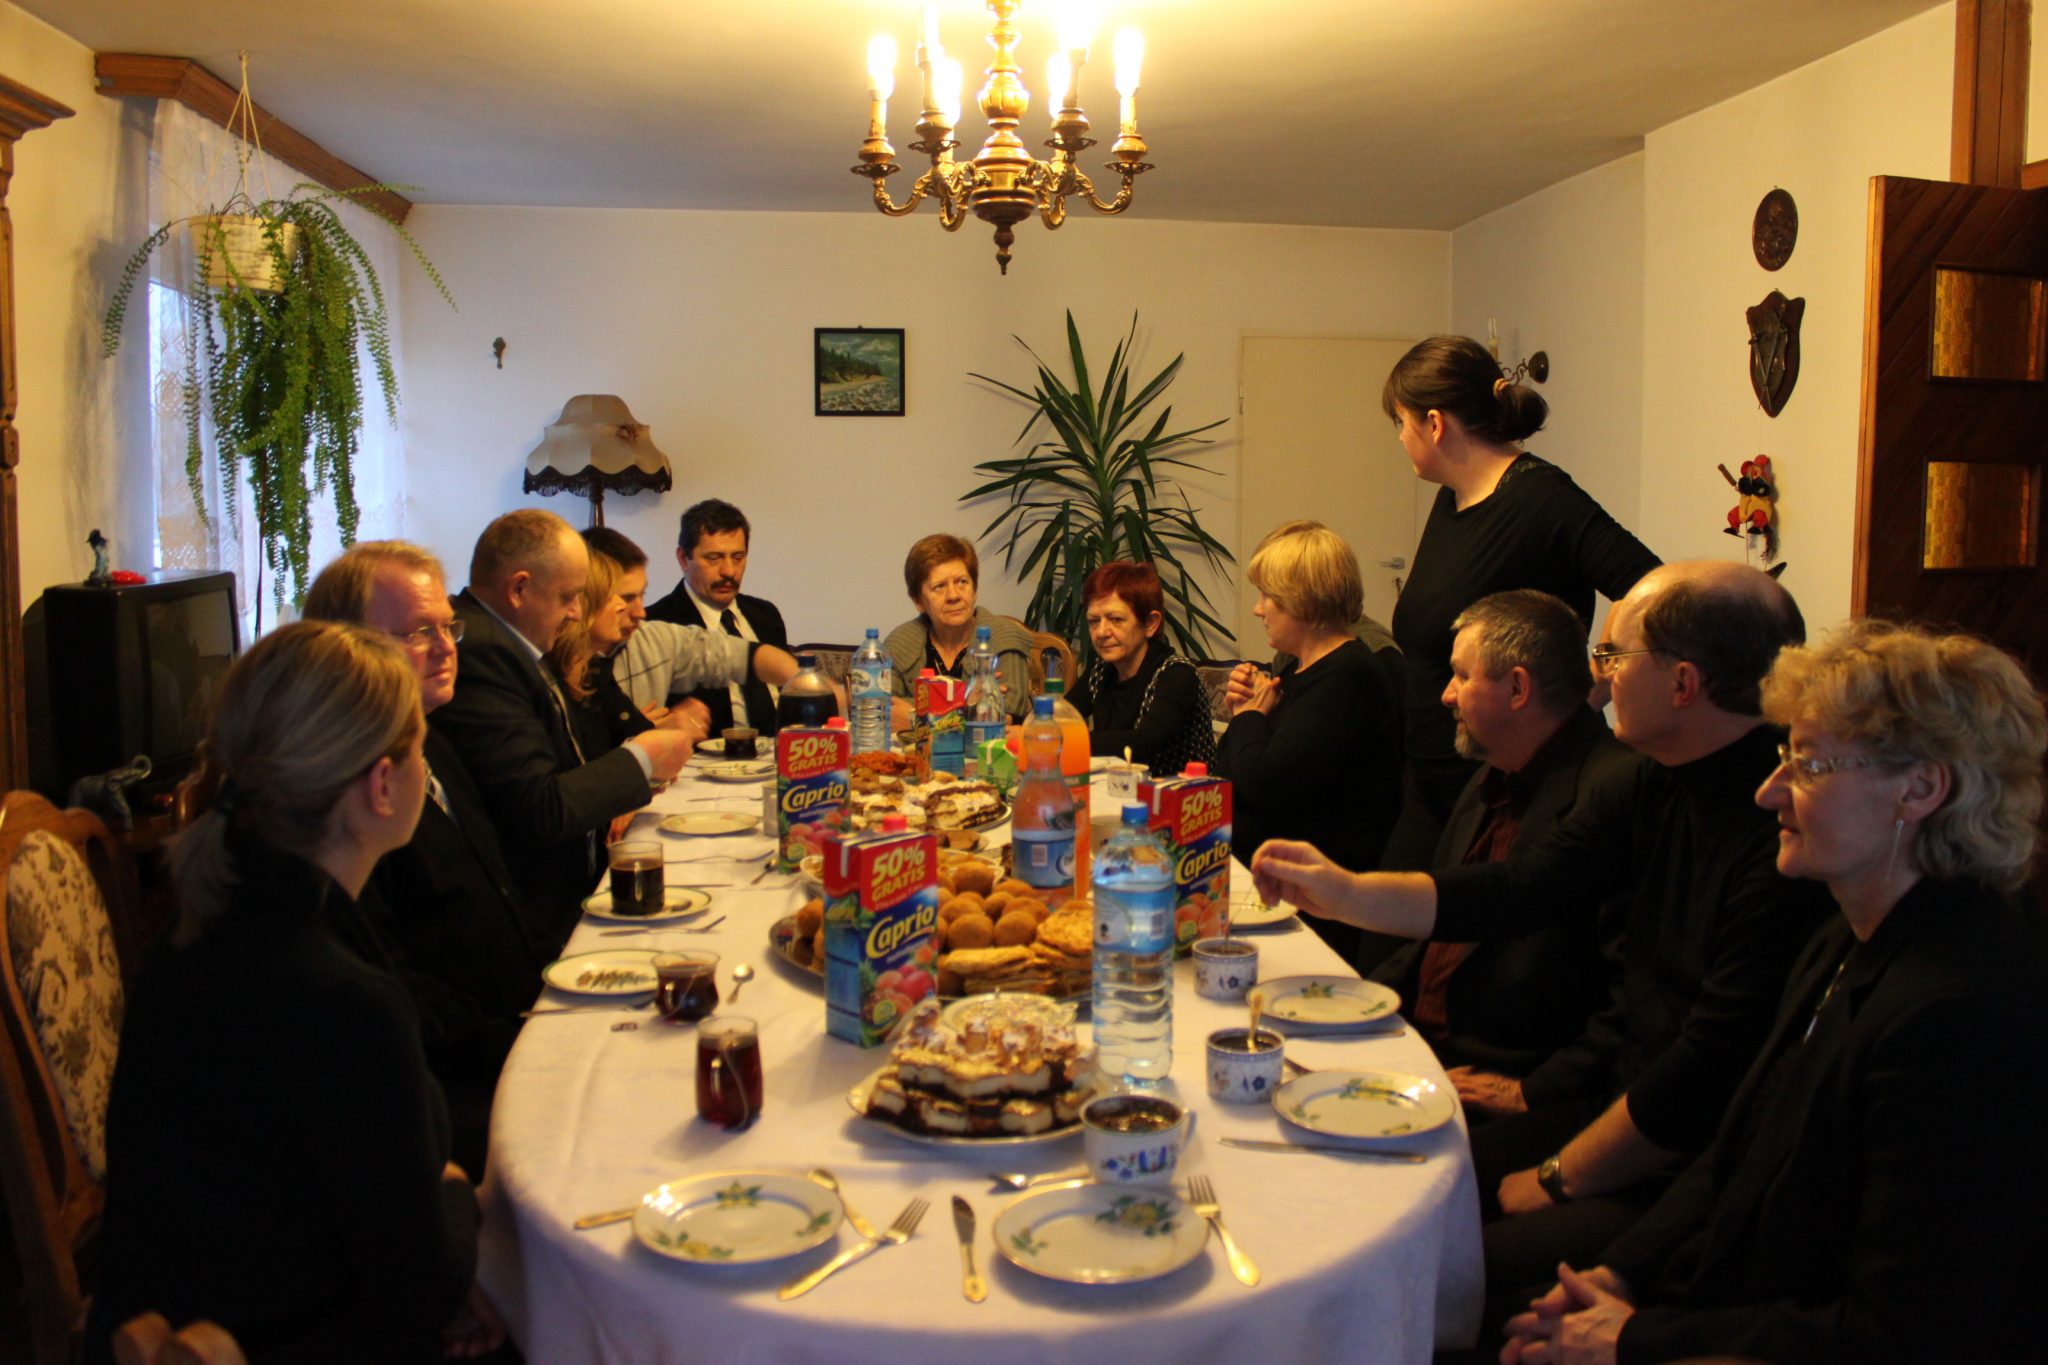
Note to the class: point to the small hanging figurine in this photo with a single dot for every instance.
(101, 575)
(1753, 518)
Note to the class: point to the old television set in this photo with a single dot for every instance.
(130, 669)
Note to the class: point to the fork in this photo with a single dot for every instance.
(896, 1234)
(1203, 1196)
(1018, 1180)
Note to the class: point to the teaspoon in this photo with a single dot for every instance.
(741, 975)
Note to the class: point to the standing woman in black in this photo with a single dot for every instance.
(277, 1153)
(1502, 519)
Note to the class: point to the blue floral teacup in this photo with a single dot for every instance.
(1244, 1070)
(1225, 968)
(1134, 1139)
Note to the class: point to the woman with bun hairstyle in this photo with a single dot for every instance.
(276, 1151)
(1502, 519)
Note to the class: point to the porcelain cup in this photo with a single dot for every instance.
(1241, 1071)
(1225, 968)
(1134, 1139)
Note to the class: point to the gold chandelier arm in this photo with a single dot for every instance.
(1084, 186)
(895, 210)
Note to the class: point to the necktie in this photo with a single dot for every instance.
(439, 793)
(760, 702)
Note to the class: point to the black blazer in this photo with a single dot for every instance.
(1513, 1001)
(275, 1143)
(1875, 1191)
(551, 809)
(680, 608)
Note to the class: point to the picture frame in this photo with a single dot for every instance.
(857, 371)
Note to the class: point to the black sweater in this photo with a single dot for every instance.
(1324, 767)
(275, 1144)
(1875, 1191)
(1173, 730)
(1711, 931)
(1537, 529)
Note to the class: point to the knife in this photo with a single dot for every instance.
(1329, 1149)
(970, 1279)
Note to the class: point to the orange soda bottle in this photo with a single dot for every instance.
(1074, 766)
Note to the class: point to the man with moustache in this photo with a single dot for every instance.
(1496, 1011)
(712, 553)
(443, 912)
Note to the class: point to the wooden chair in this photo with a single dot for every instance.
(65, 892)
(834, 661)
(1215, 676)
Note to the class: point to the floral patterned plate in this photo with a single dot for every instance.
(1085, 1233)
(734, 1217)
(711, 822)
(758, 770)
(1327, 1004)
(1364, 1104)
(1253, 913)
(613, 971)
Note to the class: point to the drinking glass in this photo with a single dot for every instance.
(636, 877)
(685, 983)
(729, 1071)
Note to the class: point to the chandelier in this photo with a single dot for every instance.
(1004, 184)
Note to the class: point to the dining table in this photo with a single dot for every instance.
(1360, 1259)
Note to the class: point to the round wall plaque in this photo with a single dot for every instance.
(1776, 230)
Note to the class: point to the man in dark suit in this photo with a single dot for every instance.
(443, 912)
(712, 552)
(508, 718)
(1496, 1011)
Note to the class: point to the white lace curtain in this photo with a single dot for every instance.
(193, 165)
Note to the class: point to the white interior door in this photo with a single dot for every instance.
(1316, 445)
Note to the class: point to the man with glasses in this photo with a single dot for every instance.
(1711, 929)
(456, 929)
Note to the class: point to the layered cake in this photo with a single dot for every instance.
(989, 1066)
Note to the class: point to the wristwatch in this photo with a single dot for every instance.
(1550, 1175)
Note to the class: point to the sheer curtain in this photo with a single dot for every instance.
(192, 165)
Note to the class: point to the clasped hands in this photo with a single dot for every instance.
(1251, 688)
(1578, 1322)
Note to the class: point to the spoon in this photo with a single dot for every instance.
(860, 1224)
(1019, 1180)
(741, 975)
(1258, 1008)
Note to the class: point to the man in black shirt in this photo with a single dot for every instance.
(1711, 928)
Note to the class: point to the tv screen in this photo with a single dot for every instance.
(188, 643)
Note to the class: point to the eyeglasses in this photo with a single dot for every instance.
(425, 636)
(1807, 769)
(1606, 658)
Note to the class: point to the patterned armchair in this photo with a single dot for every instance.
(67, 890)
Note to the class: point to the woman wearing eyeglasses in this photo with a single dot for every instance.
(1874, 1192)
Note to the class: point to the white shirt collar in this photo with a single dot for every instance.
(517, 634)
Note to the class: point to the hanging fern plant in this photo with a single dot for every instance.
(272, 363)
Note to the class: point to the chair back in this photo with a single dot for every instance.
(1215, 676)
(66, 893)
(834, 661)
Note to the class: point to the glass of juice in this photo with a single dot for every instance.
(685, 984)
(636, 877)
(729, 1071)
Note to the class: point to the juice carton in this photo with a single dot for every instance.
(1192, 814)
(881, 931)
(942, 704)
(810, 790)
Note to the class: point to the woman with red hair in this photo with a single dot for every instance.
(1137, 693)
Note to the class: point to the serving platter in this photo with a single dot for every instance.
(857, 1100)
(1085, 1233)
(782, 941)
(1327, 1004)
(609, 972)
(710, 822)
(736, 1217)
(1364, 1104)
(678, 903)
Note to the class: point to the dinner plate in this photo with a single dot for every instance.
(1327, 1004)
(857, 1100)
(1256, 914)
(707, 750)
(613, 971)
(736, 1217)
(1085, 1233)
(711, 822)
(677, 903)
(757, 770)
(1364, 1104)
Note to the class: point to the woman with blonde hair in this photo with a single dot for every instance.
(1874, 1192)
(277, 1153)
(1313, 751)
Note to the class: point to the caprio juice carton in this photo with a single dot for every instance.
(810, 790)
(1192, 814)
(881, 930)
(942, 702)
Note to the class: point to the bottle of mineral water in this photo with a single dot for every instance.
(870, 684)
(985, 716)
(1133, 1007)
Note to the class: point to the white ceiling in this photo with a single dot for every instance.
(1379, 113)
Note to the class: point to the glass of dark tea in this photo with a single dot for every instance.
(729, 1071)
(685, 984)
(636, 877)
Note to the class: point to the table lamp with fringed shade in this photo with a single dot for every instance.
(596, 448)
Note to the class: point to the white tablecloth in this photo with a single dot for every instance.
(1362, 1260)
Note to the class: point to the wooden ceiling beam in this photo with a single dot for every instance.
(138, 75)
(1988, 138)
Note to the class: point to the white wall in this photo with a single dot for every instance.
(1881, 106)
(702, 323)
(82, 461)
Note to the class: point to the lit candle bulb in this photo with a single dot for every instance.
(1058, 93)
(1130, 55)
(931, 30)
(881, 81)
(948, 80)
(929, 53)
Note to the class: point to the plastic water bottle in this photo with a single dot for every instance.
(1042, 813)
(985, 716)
(807, 698)
(1134, 895)
(870, 684)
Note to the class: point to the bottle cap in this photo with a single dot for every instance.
(874, 632)
(1055, 687)
(806, 661)
(1041, 708)
(895, 824)
(981, 633)
(1136, 814)
(927, 673)
(835, 722)
(1195, 770)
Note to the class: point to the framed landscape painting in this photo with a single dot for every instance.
(858, 371)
